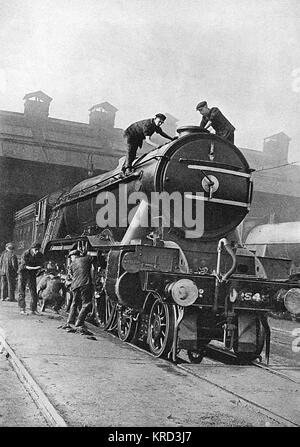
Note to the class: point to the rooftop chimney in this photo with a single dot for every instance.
(102, 116)
(36, 105)
(277, 147)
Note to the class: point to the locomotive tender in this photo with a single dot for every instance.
(171, 272)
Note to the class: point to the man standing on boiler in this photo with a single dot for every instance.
(140, 131)
(214, 118)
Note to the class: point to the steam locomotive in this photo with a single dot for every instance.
(171, 271)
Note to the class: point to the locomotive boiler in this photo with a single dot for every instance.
(171, 272)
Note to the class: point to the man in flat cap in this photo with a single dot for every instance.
(9, 270)
(51, 288)
(215, 119)
(31, 261)
(139, 131)
(81, 269)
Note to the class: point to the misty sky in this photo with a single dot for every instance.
(149, 56)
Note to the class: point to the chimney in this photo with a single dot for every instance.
(276, 147)
(36, 106)
(102, 116)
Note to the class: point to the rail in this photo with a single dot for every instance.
(109, 181)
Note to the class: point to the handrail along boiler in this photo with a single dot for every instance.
(164, 284)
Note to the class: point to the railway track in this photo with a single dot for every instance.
(216, 352)
(30, 383)
(218, 369)
(275, 372)
(224, 361)
(264, 409)
(215, 363)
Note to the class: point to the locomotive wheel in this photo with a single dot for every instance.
(105, 311)
(161, 328)
(248, 357)
(126, 324)
(196, 356)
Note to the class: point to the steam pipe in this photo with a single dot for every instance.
(138, 227)
(219, 277)
(233, 257)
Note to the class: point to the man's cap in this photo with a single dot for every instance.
(201, 104)
(51, 264)
(160, 116)
(74, 253)
(36, 245)
(51, 267)
(10, 245)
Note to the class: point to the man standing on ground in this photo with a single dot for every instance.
(82, 288)
(215, 119)
(140, 131)
(9, 270)
(31, 262)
